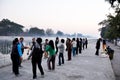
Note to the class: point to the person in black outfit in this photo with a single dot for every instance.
(56, 44)
(36, 54)
(15, 57)
(80, 45)
(98, 46)
(77, 46)
(86, 42)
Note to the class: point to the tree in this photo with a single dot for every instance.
(60, 33)
(49, 32)
(36, 31)
(113, 1)
(8, 27)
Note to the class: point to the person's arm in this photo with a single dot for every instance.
(47, 48)
(31, 53)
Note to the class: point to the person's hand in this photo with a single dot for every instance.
(21, 58)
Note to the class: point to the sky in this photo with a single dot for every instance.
(69, 16)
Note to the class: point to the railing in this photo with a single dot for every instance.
(5, 51)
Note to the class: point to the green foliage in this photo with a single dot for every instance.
(112, 27)
(49, 32)
(60, 33)
(36, 31)
(10, 28)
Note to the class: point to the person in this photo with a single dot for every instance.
(61, 49)
(97, 46)
(74, 46)
(15, 55)
(83, 43)
(69, 48)
(36, 55)
(56, 44)
(22, 48)
(67, 44)
(86, 42)
(77, 47)
(80, 45)
(45, 45)
(51, 59)
(104, 45)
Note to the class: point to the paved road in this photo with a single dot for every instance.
(85, 66)
(116, 61)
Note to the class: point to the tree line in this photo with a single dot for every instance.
(9, 28)
(111, 26)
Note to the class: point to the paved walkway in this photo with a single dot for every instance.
(85, 66)
(116, 60)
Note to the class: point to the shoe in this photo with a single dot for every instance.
(20, 66)
(18, 75)
(42, 76)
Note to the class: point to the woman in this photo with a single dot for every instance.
(36, 54)
(51, 59)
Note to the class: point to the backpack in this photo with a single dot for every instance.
(37, 52)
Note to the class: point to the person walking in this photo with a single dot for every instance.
(61, 49)
(16, 55)
(97, 46)
(51, 59)
(36, 55)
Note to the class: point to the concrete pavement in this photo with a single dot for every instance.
(85, 66)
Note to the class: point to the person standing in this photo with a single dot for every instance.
(74, 46)
(80, 45)
(83, 43)
(45, 45)
(104, 45)
(56, 44)
(86, 42)
(61, 49)
(16, 55)
(77, 48)
(97, 46)
(36, 55)
(51, 59)
(22, 48)
(68, 48)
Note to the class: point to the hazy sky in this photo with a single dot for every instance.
(69, 16)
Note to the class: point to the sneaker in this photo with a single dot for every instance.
(35, 78)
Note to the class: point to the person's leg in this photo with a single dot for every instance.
(59, 57)
(97, 52)
(40, 67)
(34, 69)
(48, 63)
(53, 62)
(62, 56)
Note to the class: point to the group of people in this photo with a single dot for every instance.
(50, 50)
(98, 43)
